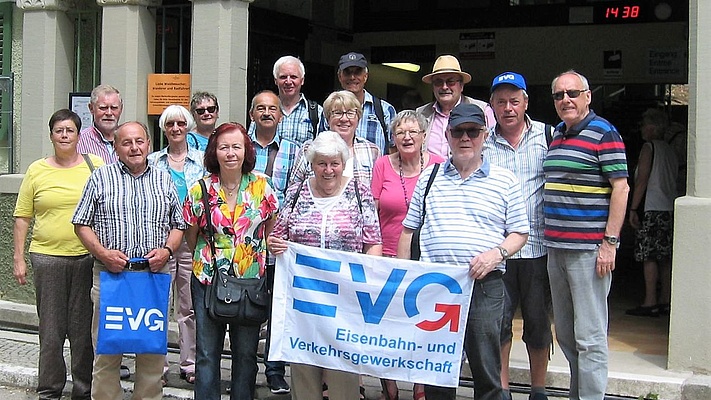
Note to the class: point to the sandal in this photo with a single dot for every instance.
(188, 377)
(418, 391)
(390, 389)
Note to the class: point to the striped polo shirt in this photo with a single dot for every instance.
(526, 162)
(580, 163)
(466, 217)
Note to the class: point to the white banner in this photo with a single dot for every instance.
(378, 316)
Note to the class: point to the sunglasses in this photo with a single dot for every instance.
(201, 111)
(571, 93)
(171, 124)
(473, 133)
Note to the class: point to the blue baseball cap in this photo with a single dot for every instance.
(466, 112)
(510, 78)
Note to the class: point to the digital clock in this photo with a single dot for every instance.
(629, 12)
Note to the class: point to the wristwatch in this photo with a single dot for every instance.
(504, 252)
(170, 252)
(613, 240)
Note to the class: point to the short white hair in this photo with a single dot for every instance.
(328, 144)
(175, 111)
(288, 60)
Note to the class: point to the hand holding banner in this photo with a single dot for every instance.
(385, 317)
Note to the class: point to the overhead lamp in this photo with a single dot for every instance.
(410, 67)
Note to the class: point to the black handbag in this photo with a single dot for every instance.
(415, 241)
(229, 299)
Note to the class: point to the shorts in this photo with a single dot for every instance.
(654, 240)
(526, 282)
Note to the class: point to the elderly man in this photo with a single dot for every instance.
(374, 125)
(275, 158)
(300, 117)
(105, 106)
(475, 216)
(447, 80)
(113, 237)
(205, 110)
(520, 144)
(585, 197)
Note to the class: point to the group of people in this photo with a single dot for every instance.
(532, 210)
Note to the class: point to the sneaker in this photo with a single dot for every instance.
(277, 384)
(124, 372)
(644, 311)
(538, 396)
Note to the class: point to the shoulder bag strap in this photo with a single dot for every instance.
(427, 190)
(378, 105)
(208, 223)
(271, 156)
(313, 115)
(88, 162)
(548, 131)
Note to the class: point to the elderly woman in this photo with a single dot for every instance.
(185, 166)
(331, 211)
(242, 210)
(62, 266)
(394, 179)
(344, 111)
(654, 192)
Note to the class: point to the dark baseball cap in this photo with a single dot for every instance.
(509, 78)
(352, 60)
(466, 113)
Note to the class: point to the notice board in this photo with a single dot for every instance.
(167, 89)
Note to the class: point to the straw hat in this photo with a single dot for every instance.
(447, 64)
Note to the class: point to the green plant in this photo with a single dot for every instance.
(649, 396)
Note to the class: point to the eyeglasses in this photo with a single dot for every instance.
(412, 134)
(201, 111)
(449, 82)
(339, 114)
(473, 133)
(571, 93)
(171, 124)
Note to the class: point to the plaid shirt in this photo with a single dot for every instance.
(296, 126)
(364, 155)
(369, 126)
(91, 141)
(283, 162)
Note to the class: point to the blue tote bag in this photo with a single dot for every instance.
(133, 316)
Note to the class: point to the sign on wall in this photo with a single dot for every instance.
(667, 64)
(167, 89)
(477, 46)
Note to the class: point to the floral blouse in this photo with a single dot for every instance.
(239, 242)
(342, 226)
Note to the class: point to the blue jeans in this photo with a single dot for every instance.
(210, 336)
(580, 313)
(482, 341)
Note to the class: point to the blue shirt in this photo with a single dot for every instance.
(283, 162)
(197, 141)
